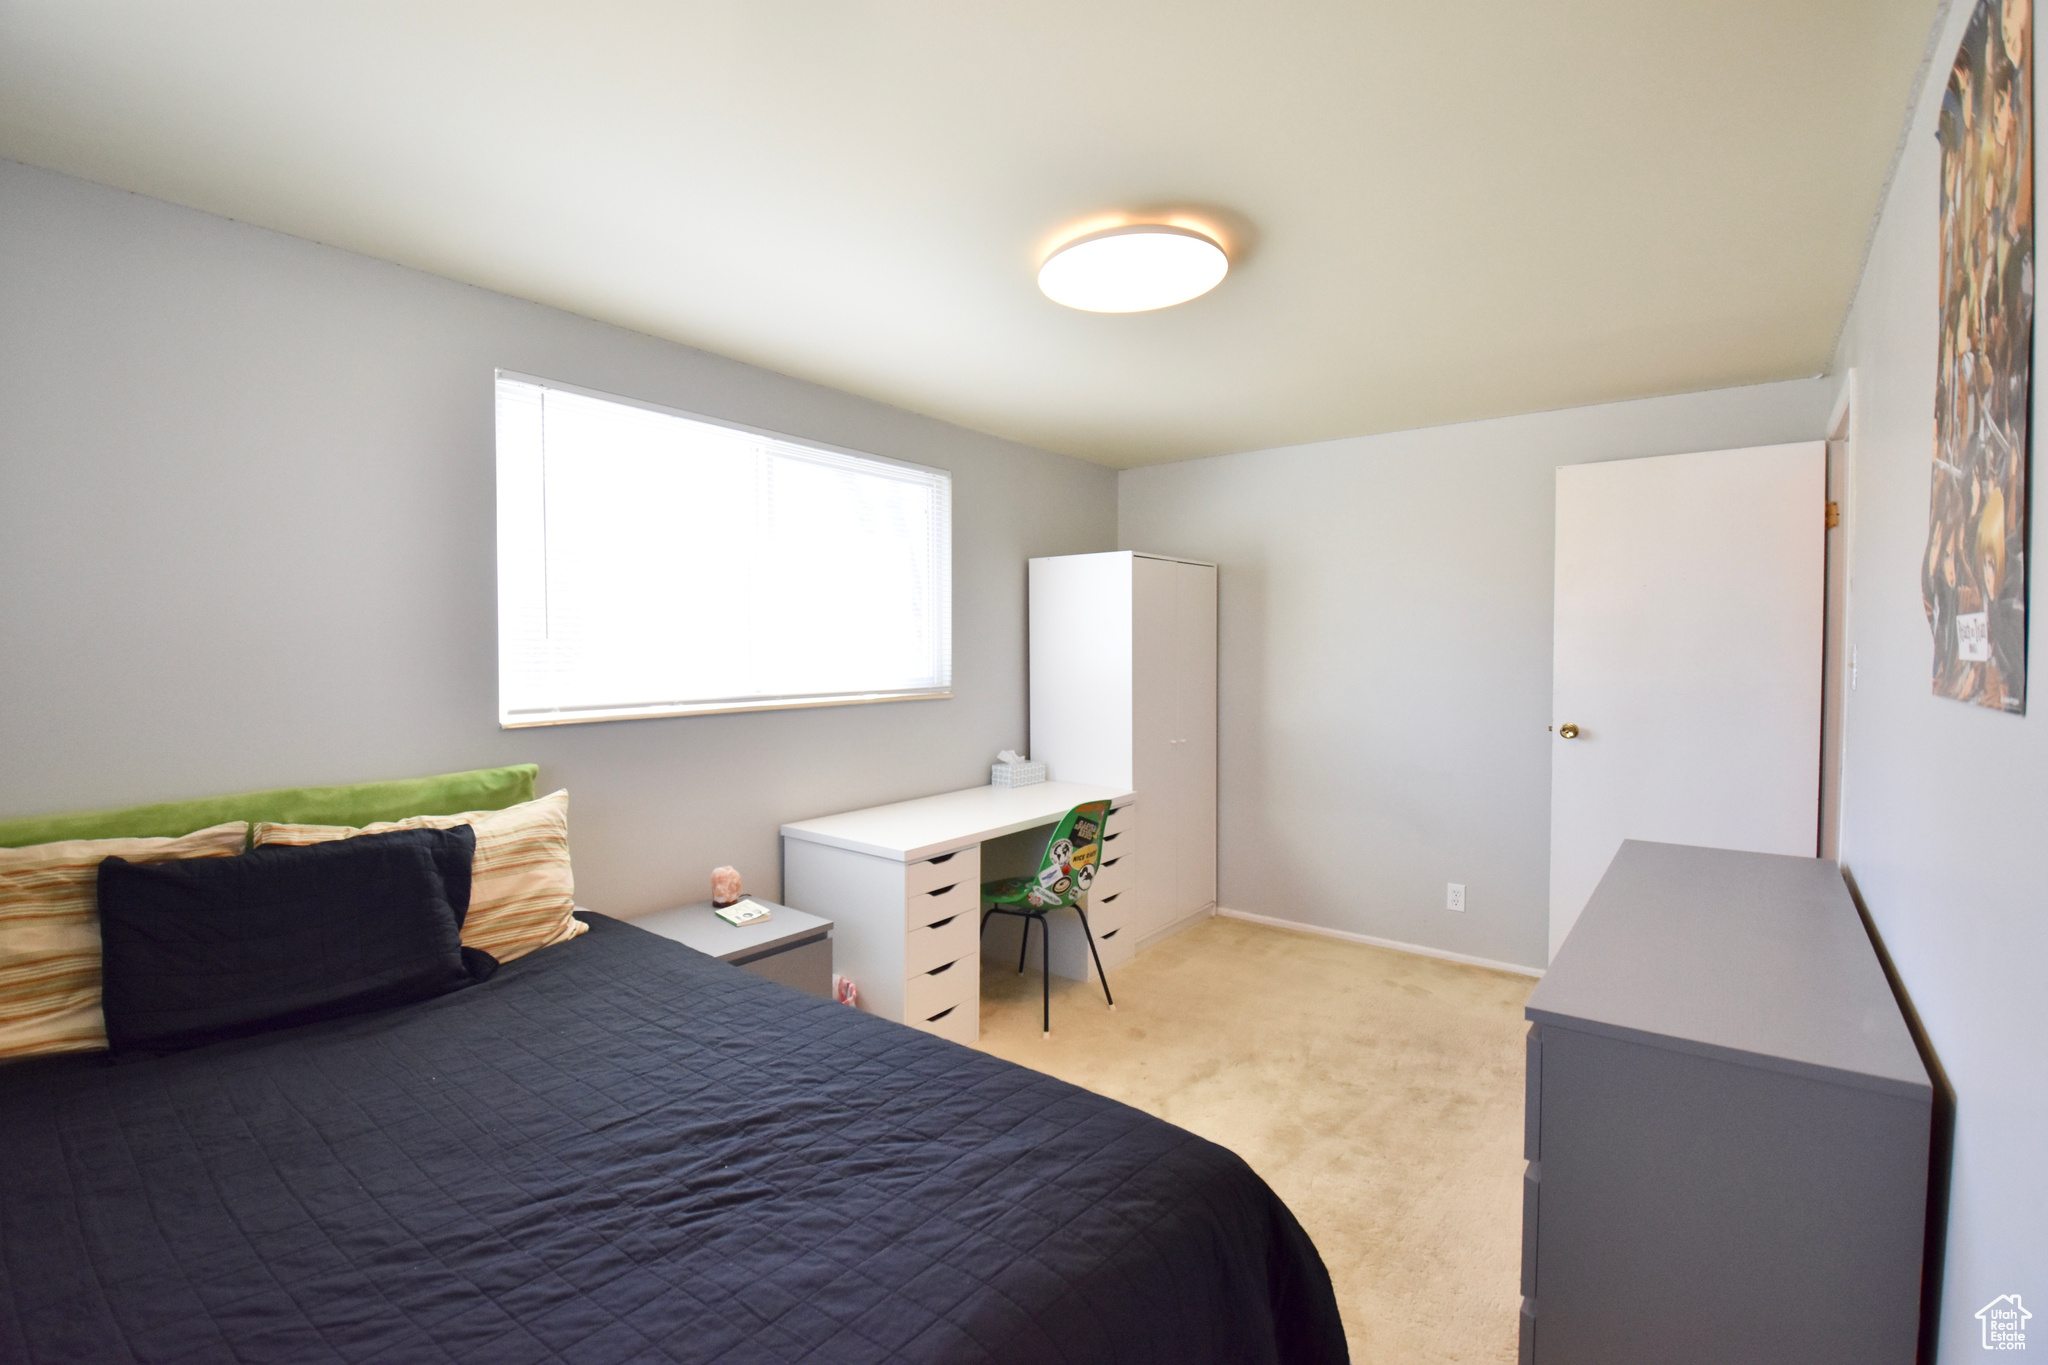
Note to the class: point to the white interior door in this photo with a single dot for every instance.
(1686, 657)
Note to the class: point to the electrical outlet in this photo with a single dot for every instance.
(1454, 895)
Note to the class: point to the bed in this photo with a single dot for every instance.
(617, 1149)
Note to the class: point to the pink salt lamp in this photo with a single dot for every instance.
(725, 886)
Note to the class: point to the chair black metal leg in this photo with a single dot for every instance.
(1024, 945)
(984, 920)
(1045, 971)
(1089, 934)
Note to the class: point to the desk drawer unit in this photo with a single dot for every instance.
(1113, 899)
(1112, 896)
(905, 931)
(942, 947)
(1112, 913)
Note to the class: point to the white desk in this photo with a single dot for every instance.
(902, 886)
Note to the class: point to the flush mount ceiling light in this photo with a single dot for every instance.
(1133, 268)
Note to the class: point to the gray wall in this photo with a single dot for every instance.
(246, 540)
(1386, 655)
(1945, 811)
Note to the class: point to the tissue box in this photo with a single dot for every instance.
(1016, 774)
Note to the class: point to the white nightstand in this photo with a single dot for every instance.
(790, 946)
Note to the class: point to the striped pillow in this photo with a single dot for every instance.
(50, 934)
(520, 890)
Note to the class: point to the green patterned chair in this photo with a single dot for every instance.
(1065, 871)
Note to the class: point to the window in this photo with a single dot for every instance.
(656, 564)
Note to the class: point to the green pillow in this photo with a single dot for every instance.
(359, 804)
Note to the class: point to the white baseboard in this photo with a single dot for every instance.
(1398, 947)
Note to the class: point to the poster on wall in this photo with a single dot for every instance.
(1974, 576)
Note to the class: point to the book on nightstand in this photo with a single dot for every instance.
(742, 912)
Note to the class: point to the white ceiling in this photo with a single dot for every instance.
(1451, 211)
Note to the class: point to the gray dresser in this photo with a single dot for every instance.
(1727, 1125)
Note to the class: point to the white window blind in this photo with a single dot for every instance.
(651, 564)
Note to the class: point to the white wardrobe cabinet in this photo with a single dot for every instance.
(1123, 693)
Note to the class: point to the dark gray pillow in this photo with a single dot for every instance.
(201, 949)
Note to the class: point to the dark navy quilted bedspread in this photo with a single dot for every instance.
(620, 1150)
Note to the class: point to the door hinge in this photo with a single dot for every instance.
(1834, 515)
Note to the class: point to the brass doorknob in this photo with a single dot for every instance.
(1567, 731)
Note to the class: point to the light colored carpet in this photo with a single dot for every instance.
(1379, 1093)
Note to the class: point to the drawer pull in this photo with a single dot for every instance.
(942, 1014)
(944, 857)
(941, 971)
(1112, 862)
(944, 889)
(940, 924)
(1114, 932)
(1111, 896)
